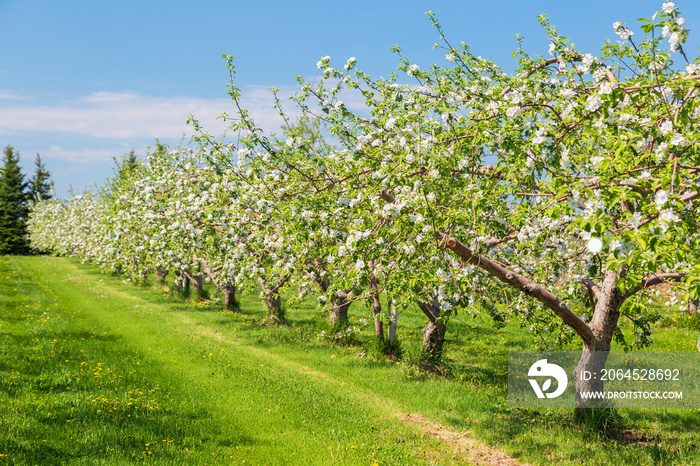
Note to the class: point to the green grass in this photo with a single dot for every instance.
(96, 372)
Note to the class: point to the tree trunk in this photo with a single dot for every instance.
(433, 332)
(693, 306)
(433, 339)
(273, 299)
(587, 373)
(197, 283)
(230, 303)
(160, 275)
(377, 310)
(182, 283)
(274, 306)
(391, 333)
(376, 306)
(341, 303)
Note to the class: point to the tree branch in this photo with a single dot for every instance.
(210, 272)
(512, 279)
(593, 290)
(654, 279)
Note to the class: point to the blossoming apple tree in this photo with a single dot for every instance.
(559, 193)
(563, 191)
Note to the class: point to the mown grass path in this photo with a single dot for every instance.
(95, 373)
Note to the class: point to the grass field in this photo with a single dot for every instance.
(93, 371)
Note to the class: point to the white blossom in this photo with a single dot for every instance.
(593, 103)
(666, 127)
(674, 40)
(513, 112)
(661, 198)
(661, 151)
(636, 219)
(568, 93)
(596, 160)
(594, 245)
(668, 216)
(607, 87)
(678, 140)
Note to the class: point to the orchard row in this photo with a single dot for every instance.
(557, 194)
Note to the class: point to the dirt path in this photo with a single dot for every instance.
(464, 445)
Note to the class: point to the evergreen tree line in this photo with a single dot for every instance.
(16, 195)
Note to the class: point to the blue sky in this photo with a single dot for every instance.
(83, 81)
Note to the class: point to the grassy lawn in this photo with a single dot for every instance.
(93, 371)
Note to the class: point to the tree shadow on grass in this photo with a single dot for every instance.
(680, 420)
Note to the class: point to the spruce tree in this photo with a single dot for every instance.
(40, 184)
(127, 166)
(13, 205)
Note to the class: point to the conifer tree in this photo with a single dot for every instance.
(40, 184)
(126, 166)
(13, 205)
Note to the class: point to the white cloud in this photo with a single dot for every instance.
(83, 155)
(78, 137)
(12, 96)
(124, 115)
(94, 128)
